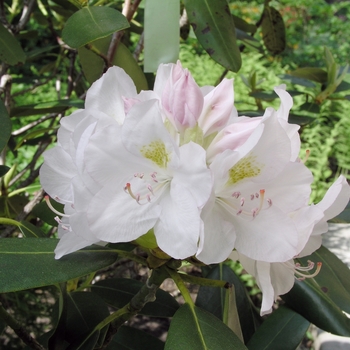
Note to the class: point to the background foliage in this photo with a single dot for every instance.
(48, 61)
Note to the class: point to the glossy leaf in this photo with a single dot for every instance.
(84, 311)
(119, 291)
(298, 80)
(195, 329)
(318, 75)
(334, 277)
(128, 338)
(3, 170)
(6, 126)
(43, 212)
(45, 107)
(32, 263)
(93, 65)
(92, 23)
(213, 25)
(273, 30)
(212, 299)
(283, 329)
(311, 302)
(299, 119)
(31, 231)
(11, 51)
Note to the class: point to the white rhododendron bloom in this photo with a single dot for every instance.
(178, 163)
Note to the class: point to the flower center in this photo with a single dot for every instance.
(144, 188)
(157, 153)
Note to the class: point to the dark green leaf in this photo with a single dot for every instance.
(30, 263)
(311, 73)
(12, 206)
(43, 212)
(46, 107)
(6, 126)
(243, 25)
(3, 170)
(297, 80)
(300, 119)
(266, 96)
(343, 86)
(212, 299)
(284, 329)
(119, 291)
(334, 277)
(213, 25)
(10, 50)
(344, 216)
(92, 23)
(310, 107)
(31, 231)
(273, 30)
(311, 302)
(128, 338)
(84, 311)
(195, 329)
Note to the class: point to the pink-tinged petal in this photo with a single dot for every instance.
(181, 98)
(286, 102)
(336, 198)
(271, 236)
(162, 77)
(106, 94)
(217, 108)
(293, 134)
(233, 136)
(70, 242)
(57, 172)
(193, 173)
(144, 135)
(177, 230)
(114, 216)
(218, 239)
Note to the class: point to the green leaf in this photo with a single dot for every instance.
(300, 119)
(195, 329)
(92, 23)
(3, 170)
(213, 25)
(273, 30)
(84, 311)
(6, 126)
(283, 329)
(10, 50)
(297, 80)
(43, 212)
(93, 65)
(310, 107)
(334, 277)
(31, 231)
(30, 263)
(45, 107)
(344, 216)
(128, 338)
(311, 302)
(318, 75)
(119, 291)
(212, 299)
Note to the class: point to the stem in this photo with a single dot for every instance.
(180, 284)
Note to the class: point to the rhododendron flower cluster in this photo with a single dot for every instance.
(180, 164)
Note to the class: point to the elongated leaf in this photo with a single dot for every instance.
(129, 338)
(93, 64)
(318, 75)
(3, 170)
(273, 30)
(10, 50)
(311, 302)
(195, 329)
(92, 23)
(31, 231)
(212, 299)
(298, 80)
(6, 126)
(119, 291)
(334, 277)
(43, 212)
(30, 263)
(45, 107)
(284, 329)
(213, 25)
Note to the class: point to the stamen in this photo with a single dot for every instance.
(150, 188)
(307, 155)
(269, 201)
(299, 270)
(128, 189)
(262, 195)
(252, 197)
(242, 201)
(255, 212)
(236, 194)
(47, 199)
(239, 212)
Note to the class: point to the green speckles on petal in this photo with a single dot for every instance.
(157, 153)
(246, 167)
